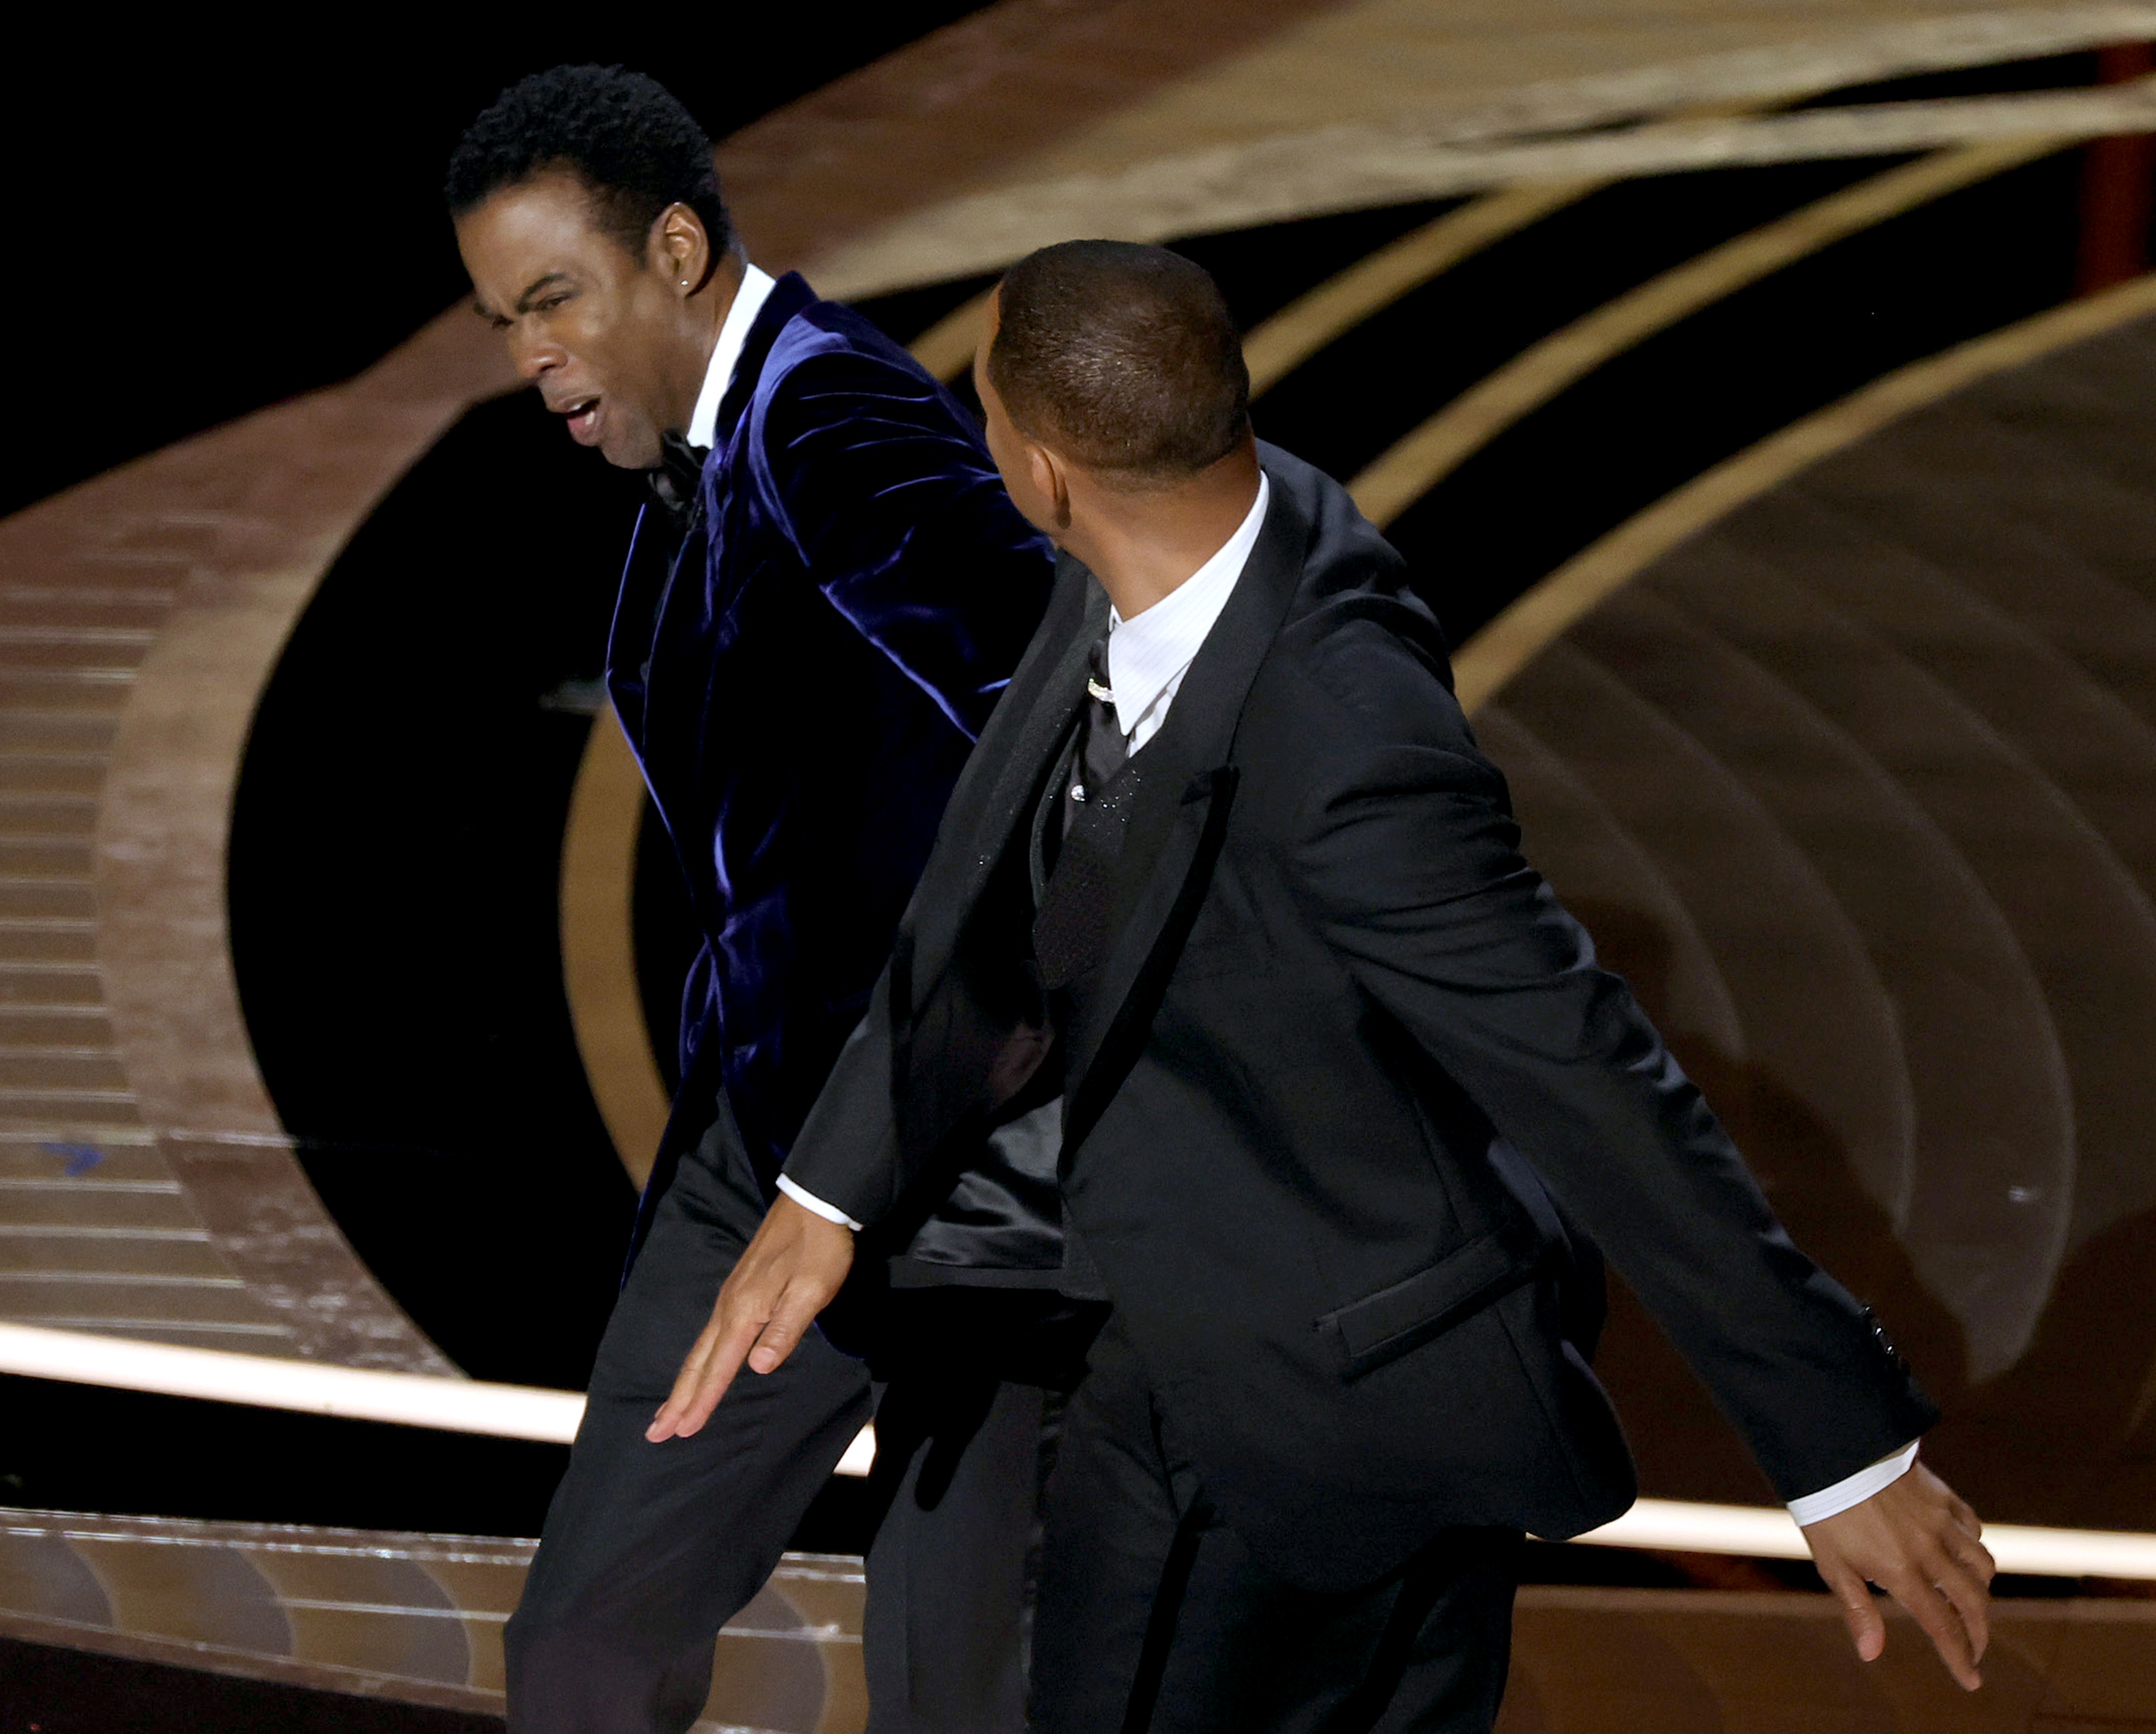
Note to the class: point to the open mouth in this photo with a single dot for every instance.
(583, 420)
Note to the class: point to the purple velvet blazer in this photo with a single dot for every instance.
(802, 672)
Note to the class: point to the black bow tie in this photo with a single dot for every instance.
(678, 476)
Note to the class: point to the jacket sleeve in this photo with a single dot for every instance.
(847, 1153)
(892, 504)
(1406, 856)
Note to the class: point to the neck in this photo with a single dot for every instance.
(703, 315)
(1145, 547)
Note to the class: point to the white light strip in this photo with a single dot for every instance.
(317, 1388)
(528, 1412)
(859, 1455)
(356, 1393)
(1767, 1533)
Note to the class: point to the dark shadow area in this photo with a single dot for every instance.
(73, 1691)
(283, 217)
(395, 858)
(1654, 417)
(905, 314)
(2066, 1436)
(85, 1448)
(1354, 399)
(2053, 72)
(667, 941)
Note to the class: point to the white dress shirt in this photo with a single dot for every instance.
(1149, 654)
(725, 355)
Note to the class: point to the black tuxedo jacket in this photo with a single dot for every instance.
(1346, 1082)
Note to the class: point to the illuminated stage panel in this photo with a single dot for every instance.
(416, 1619)
(1875, 661)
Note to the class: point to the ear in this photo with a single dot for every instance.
(680, 251)
(1051, 481)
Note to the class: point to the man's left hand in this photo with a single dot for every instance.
(1917, 1541)
(786, 1276)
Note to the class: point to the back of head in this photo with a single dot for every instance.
(625, 137)
(1122, 358)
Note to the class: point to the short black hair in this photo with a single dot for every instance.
(627, 137)
(1124, 357)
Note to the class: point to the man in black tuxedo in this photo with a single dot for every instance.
(1349, 1106)
(822, 605)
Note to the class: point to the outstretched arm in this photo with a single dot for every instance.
(847, 1161)
(1407, 857)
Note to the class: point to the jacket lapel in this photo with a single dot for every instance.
(653, 547)
(669, 570)
(979, 1050)
(994, 796)
(1179, 817)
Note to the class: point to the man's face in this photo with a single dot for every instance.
(1017, 459)
(600, 332)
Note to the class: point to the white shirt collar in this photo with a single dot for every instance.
(748, 302)
(1148, 652)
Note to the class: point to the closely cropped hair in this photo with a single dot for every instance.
(1123, 358)
(625, 135)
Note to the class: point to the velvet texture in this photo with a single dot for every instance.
(802, 670)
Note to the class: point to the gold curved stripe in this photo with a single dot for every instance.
(1409, 469)
(598, 947)
(1278, 345)
(1508, 643)
(946, 349)
(1287, 340)
(1282, 343)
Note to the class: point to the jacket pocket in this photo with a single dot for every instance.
(1384, 1327)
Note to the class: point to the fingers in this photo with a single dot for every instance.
(1943, 1622)
(787, 1273)
(789, 1324)
(1868, 1630)
(1964, 1580)
(706, 1373)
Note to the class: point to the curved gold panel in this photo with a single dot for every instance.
(598, 947)
(1518, 635)
(1424, 457)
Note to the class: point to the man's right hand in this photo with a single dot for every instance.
(790, 1272)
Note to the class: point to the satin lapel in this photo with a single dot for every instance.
(994, 796)
(1179, 818)
(653, 549)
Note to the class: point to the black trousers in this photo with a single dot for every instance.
(648, 1550)
(1155, 1618)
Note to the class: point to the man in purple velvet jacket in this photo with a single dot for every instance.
(821, 606)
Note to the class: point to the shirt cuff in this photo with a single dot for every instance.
(830, 1213)
(1816, 1507)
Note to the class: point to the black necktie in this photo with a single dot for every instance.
(1101, 747)
(676, 480)
(1070, 932)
